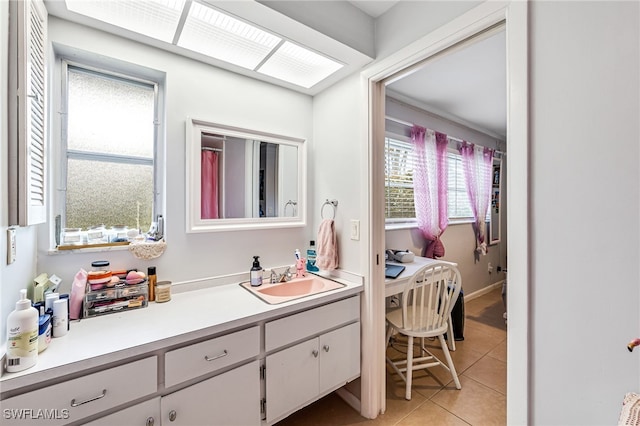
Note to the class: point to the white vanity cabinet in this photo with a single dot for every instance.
(325, 361)
(84, 396)
(230, 398)
(146, 413)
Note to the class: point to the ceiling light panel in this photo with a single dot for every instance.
(153, 18)
(298, 65)
(224, 37)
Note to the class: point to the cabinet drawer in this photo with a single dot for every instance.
(208, 356)
(299, 326)
(75, 399)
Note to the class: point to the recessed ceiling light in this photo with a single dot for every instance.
(224, 37)
(154, 18)
(299, 65)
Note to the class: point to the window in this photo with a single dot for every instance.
(399, 166)
(109, 141)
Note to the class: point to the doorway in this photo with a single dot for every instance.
(462, 28)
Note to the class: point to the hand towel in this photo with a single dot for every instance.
(327, 252)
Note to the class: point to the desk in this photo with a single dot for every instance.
(396, 285)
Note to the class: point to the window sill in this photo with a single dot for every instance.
(411, 225)
(96, 248)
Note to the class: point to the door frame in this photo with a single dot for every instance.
(478, 19)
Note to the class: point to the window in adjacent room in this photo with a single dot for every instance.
(399, 167)
(109, 141)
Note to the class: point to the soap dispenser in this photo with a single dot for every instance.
(256, 272)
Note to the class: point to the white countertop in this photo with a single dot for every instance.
(97, 341)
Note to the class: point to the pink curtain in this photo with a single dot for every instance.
(430, 187)
(477, 165)
(209, 185)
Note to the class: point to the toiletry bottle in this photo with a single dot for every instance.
(22, 335)
(256, 272)
(60, 317)
(151, 274)
(311, 257)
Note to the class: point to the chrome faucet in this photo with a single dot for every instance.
(281, 278)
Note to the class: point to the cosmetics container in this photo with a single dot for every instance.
(163, 291)
(60, 318)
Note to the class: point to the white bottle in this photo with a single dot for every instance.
(60, 319)
(22, 335)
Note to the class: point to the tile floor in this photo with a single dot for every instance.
(481, 362)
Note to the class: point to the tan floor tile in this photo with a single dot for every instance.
(499, 352)
(474, 403)
(490, 372)
(330, 410)
(481, 337)
(431, 414)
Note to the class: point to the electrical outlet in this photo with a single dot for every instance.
(11, 246)
(355, 229)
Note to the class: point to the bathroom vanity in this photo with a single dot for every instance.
(215, 356)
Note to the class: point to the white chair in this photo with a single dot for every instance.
(425, 312)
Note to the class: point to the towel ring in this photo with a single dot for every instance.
(293, 205)
(332, 203)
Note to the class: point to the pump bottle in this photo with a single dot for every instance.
(256, 272)
(22, 335)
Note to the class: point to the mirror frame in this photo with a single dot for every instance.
(194, 222)
(497, 163)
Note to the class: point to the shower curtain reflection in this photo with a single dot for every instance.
(209, 185)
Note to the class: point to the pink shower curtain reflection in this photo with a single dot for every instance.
(209, 185)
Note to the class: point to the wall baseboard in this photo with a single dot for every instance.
(483, 291)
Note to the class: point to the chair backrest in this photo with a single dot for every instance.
(429, 297)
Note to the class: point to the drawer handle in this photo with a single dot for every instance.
(326, 348)
(315, 353)
(150, 421)
(173, 415)
(76, 404)
(220, 355)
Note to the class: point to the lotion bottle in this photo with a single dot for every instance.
(22, 335)
(255, 275)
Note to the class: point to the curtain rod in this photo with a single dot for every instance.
(206, 148)
(406, 123)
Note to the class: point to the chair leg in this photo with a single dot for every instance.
(409, 373)
(451, 342)
(452, 368)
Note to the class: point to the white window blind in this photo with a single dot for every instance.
(399, 170)
(27, 150)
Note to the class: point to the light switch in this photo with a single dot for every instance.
(355, 229)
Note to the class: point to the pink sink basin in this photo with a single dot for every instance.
(294, 289)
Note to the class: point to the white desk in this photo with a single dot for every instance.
(396, 285)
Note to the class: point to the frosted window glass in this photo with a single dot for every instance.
(108, 193)
(107, 115)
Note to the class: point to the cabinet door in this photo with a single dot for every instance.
(292, 378)
(144, 414)
(232, 398)
(339, 357)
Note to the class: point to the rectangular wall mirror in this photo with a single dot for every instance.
(242, 178)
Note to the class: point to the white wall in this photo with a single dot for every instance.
(407, 21)
(196, 90)
(585, 109)
(336, 168)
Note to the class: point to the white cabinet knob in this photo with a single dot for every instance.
(172, 415)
